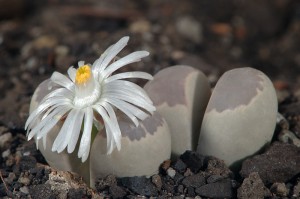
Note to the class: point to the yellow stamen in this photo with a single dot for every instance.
(83, 74)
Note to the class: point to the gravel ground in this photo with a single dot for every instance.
(39, 37)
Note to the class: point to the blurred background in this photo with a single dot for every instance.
(42, 36)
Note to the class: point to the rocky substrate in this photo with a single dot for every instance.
(213, 36)
(273, 174)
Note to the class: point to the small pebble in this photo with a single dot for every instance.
(44, 41)
(171, 172)
(188, 172)
(221, 29)
(24, 180)
(5, 138)
(189, 28)
(103, 183)
(3, 129)
(216, 166)
(287, 136)
(11, 177)
(140, 26)
(296, 190)
(24, 190)
(6, 153)
(282, 121)
(165, 165)
(31, 64)
(62, 50)
(178, 178)
(156, 180)
(179, 197)
(179, 166)
(282, 95)
(10, 161)
(252, 187)
(180, 189)
(191, 192)
(279, 189)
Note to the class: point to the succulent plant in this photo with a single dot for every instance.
(180, 94)
(92, 112)
(80, 122)
(240, 117)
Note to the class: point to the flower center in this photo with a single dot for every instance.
(87, 90)
(83, 74)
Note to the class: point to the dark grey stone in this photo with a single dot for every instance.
(139, 185)
(280, 163)
(195, 181)
(103, 183)
(42, 191)
(117, 192)
(27, 162)
(193, 160)
(220, 189)
(179, 166)
(214, 178)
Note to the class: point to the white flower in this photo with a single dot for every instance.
(90, 92)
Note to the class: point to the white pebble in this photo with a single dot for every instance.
(6, 153)
(4, 138)
(171, 172)
(24, 190)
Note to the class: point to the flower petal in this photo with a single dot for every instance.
(124, 109)
(98, 62)
(58, 112)
(117, 132)
(130, 94)
(113, 132)
(80, 63)
(75, 132)
(133, 57)
(63, 81)
(133, 110)
(60, 92)
(122, 86)
(72, 73)
(44, 142)
(44, 106)
(63, 133)
(130, 98)
(133, 100)
(127, 75)
(112, 52)
(110, 142)
(85, 143)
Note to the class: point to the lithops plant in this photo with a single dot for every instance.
(63, 161)
(68, 112)
(180, 94)
(240, 117)
(143, 149)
